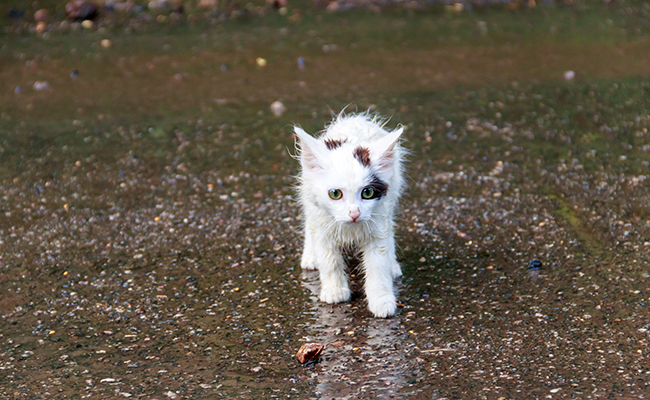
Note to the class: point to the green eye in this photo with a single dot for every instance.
(335, 194)
(368, 193)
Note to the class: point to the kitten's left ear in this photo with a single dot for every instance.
(385, 148)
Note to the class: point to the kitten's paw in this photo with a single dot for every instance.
(308, 261)
(335, 294)
(396, 270)
(382, 306)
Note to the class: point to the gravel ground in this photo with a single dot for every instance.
(150, 272)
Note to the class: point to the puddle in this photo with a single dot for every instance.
(364, 356)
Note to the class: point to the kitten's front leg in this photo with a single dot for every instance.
(334, 282)
(379, 267)
(396, 270)
(308, 260)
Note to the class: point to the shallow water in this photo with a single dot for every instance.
(154, 252)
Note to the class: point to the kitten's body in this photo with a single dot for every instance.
(355, 157)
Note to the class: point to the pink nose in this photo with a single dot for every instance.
(354, 213)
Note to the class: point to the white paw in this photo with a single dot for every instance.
(396, 270)
(335, 294)
(308, 261)
(382, 306)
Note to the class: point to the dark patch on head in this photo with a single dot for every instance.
(332, 144)
(380, 187)
(362, 155)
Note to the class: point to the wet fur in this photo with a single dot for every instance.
(353, 153)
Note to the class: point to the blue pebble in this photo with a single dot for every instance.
(535, 264)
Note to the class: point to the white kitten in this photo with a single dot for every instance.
(350, 184)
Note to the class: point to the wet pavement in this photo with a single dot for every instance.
(157, 256)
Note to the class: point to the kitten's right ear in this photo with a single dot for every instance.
(308, 149)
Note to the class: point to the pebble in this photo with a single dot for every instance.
(207, 3)
(106, 43)
(309, 352)
(569, 75)
(15, 13)
(261, 62)
(41, 15)
(158, 4)
(80, 10)
(41, 85)
(278, 108)
(535, 264)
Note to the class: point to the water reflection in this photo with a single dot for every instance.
(361, 357)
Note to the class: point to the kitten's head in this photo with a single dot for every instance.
(347, 179)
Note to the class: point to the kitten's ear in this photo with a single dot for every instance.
(385, 148)
(308, 149)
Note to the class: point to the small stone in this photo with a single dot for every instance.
(309, 352)
(261, 62)
(106, 43)
(41, 27)
(278, 108)
(41, 85)
(79, 10)
(41, 15)
(535, 264)
(15, 13)
(159, 5)
(87, 24)
(207, 3)
(569, 75)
